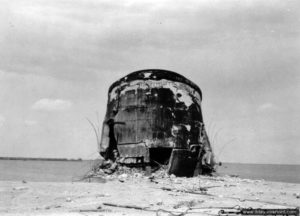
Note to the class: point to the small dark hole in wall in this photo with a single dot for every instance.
(160, 155)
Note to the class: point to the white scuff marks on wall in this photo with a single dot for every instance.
(147, 74)
(183, 92)
(133, 85)
(188, 127)
(174, 130)
(184, 97)
(172, 144)
(113, 94)
(115, 91)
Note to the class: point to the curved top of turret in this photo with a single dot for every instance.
(155, 74)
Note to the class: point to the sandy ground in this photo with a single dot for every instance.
(154, 196)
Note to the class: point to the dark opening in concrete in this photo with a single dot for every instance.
(160, 155)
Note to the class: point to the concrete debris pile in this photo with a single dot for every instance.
(114, 170)
(104, 170)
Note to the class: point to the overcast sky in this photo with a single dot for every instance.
(58, 58)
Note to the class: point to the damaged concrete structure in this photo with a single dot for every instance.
(154, 117)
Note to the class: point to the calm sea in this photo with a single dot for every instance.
(64, 171)
(32, 170)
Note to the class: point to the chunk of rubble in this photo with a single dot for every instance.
(297, 195)
(20, 188)
(123, 177)
(68, 199)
